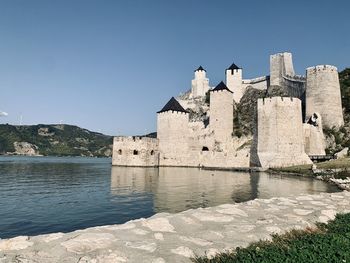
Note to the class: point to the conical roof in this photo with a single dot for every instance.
(221, 86)
(200, 68)
(233, 66)
(173, 105)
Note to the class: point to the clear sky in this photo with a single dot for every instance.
(108, 66)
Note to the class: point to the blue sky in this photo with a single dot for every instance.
(108, 66)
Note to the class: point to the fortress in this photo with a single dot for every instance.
(196, 129)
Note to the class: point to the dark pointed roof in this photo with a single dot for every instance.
(221, 86)
(173, 105)
(233, 66)
(200, 68)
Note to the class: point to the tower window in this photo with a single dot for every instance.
(152, 152)
(205, 149)
(120, 152)
(136, 152)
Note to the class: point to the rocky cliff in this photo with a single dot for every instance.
(57, 140)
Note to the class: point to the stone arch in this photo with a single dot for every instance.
(120, 152)
(136, 152)
(205, 149)
(152, 152)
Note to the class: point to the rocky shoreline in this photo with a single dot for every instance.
(178, 237)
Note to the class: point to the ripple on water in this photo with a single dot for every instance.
(49, 194)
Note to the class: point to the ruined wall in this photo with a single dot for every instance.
(282, 74)
(281, 64)
(280, 133)
(314, 140)
(135, 151)
(323, 95)
(221, 114)
(261, 83)
(225, 159)
(173, 136)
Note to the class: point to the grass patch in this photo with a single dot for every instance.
(306, 169)
(325, 243)
(333, 164)
(298, 169)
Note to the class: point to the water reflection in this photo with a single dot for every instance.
(48, 194)
(177, 189)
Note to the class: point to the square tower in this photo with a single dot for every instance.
(221, 112)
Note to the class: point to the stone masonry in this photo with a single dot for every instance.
(280, 133)
(135, 151)
(192, 133)
(178, 237)
(323, 95)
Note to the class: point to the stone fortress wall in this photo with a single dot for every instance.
(260, 83)
(135, 151)
(283, 137)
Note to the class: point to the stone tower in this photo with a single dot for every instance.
(323, 95)
(281, 64)
(234, 81)
(280, 133)
(221, 112)
(200, 83)
(172, 133)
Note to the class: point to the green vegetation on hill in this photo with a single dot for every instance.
(338, 138)
(344, 79)
(245, 113)
(58, 140)
(326, 243)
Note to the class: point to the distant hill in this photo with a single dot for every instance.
(54, 140)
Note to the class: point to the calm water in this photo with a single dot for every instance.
(45, 194)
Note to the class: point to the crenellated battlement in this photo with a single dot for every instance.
(233, 71)
(280, 100)
(280, 54)
(173, 113)
(135, 139)
(255, 80)
(317, 68)
(219, 91)
(297, 78)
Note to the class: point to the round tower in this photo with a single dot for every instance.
(234, 81)
(172, 133)
(323, 95)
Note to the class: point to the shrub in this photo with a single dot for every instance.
(326, 243)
